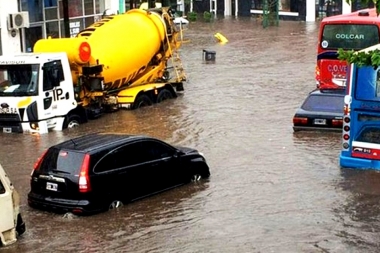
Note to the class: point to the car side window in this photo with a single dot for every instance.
(119, 157)
(156, 150)
(2, 189)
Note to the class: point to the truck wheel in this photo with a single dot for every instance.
(164, 95)
(71, 121)
(141, 101)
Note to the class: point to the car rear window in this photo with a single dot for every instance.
(322, 103)
(62, 161)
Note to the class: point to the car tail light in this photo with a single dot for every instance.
(299, 121)
(346, 137)
(39, 161)
(337, 122)
(84, 179)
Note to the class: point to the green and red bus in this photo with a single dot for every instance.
(351, 31)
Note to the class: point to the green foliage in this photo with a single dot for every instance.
(370, 58)
(207, 16)
(192, 16)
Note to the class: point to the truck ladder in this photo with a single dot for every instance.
(180, 74)
(176, 63)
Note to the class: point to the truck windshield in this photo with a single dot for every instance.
(19, 80)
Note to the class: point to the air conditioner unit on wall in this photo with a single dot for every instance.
(19, 20)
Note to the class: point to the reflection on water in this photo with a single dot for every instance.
(271, 190)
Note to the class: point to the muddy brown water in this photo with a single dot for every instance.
(270, 190)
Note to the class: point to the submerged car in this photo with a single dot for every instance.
(102, 171)
(11, 222)
(321, 110)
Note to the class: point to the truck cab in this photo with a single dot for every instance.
(11, 222)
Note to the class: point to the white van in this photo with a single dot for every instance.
(11, 223)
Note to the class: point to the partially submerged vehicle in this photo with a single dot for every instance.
(11, 222)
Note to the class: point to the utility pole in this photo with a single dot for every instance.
(66, 22)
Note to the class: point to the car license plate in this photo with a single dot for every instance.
(51, 186)
(7, 130)
(320, 122)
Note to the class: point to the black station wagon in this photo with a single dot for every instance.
(98, 172)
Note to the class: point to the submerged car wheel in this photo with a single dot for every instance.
(196, 178)
(115, 204)
(141, 101)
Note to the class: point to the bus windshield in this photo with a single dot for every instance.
(349, 36)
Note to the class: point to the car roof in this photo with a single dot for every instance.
(97, 141)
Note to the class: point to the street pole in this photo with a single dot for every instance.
(66, 22)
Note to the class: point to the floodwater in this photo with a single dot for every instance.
(270, 190)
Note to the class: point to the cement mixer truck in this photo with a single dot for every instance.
(126, 61)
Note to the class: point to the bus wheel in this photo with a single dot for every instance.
(71, 121)
(141, 101)
(164, 95)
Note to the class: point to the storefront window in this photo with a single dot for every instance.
(75, 25)
(326, 8)
(34, 8)
(51, 13)
(52, 29)
(75, 8)
(89, 21)
(50, 3)
(88, 7)
(283, 5)
(99, 6)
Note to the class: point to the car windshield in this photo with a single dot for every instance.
(320, 103)
(19, 80)
(62, 161)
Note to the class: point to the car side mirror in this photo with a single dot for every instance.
(178, 153)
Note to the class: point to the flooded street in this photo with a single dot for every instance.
(270, 190)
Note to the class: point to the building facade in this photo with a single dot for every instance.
(54, 18)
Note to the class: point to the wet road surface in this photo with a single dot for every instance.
(270, 190)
